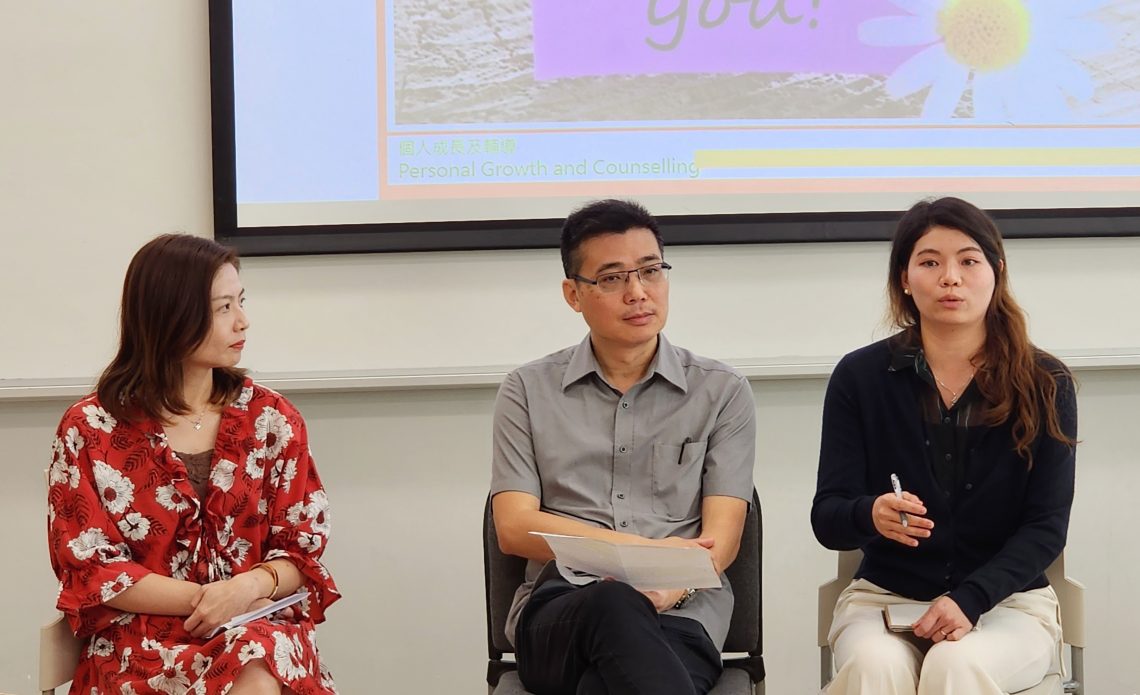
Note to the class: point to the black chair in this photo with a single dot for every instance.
(744, 660)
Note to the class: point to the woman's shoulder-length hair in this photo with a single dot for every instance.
(165, 315)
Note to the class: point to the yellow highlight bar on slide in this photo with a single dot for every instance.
(919, 157)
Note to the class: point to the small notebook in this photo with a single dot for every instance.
(261, 612)
(901, 617)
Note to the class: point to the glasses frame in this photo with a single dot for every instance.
(662, 265)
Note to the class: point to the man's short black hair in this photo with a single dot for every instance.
(603, 217)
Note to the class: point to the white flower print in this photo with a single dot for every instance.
(124, 619)
(99, 419)
(134, 526)
(62, 472)
(115, 491)
(326, 678)
(150, 644)
(201, 663)
(125, 659)
(274, 431)
(286, 656)
(113, 588)
(244, 398)
(294, 514)
(100, 646)
(239, 550)
(318, 511)
(180, 565)
(170, 498)
(51, 513)
(226, 532)
(198, 687)
(73, 441)
(251, 651)
(231, 636)
(127, 689)
(171, 680)
(87, 542)
(223, 475)
(118, 552)
(309, 542)
(221, 568)
(253, 465)
(226, 690)
(263, 506)
(282, 474)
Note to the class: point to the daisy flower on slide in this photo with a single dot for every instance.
(1019, 57)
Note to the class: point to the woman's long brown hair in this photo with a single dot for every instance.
(1017, 379)
(165, 316)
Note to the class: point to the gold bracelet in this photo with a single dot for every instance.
(272, 572)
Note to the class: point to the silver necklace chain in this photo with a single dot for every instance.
(954, 395)
(201, 415)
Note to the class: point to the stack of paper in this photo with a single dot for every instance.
(645, 567)
(261, 612)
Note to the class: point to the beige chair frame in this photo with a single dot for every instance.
(59, 654)
(1070, 595)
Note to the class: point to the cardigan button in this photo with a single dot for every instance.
(969, 486)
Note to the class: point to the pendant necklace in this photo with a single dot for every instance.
(198, 423)
(954, 395)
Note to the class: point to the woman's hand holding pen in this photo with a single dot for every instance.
(885, 514)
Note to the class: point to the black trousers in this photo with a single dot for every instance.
(608, 639)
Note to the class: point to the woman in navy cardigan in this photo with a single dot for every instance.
(979, 427)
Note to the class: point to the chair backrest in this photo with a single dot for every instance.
(59, 654)
(503, 574)
(1071, 597)
(829, 593)
(745, 632)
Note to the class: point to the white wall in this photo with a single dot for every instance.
(104, 142)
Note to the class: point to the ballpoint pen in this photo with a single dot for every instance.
(897, 487)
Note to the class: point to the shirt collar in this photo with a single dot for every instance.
(665, 363)
(904, 356)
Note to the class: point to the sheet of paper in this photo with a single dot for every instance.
(261, 612)
(646, 567)
(901, 616)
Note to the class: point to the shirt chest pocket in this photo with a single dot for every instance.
(677, 479)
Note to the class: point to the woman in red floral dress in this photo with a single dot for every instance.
(182, 494)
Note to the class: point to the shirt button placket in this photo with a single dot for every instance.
(623, 464)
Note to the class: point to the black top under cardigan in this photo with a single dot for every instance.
(992, 537)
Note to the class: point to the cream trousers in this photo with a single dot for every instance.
(1013, 647)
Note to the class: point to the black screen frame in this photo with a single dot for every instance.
(682, 230)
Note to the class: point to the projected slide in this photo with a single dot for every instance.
(412, 110)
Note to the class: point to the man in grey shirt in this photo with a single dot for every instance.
(626, 438)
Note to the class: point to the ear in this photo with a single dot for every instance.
(1001, 266)
(570, 294)
(905, 281)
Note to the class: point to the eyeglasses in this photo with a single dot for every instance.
(653, 274)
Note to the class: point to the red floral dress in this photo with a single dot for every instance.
(120, 506)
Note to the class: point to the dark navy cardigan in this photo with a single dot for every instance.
(998, 533)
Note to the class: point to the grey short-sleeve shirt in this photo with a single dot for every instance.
(638, 462)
